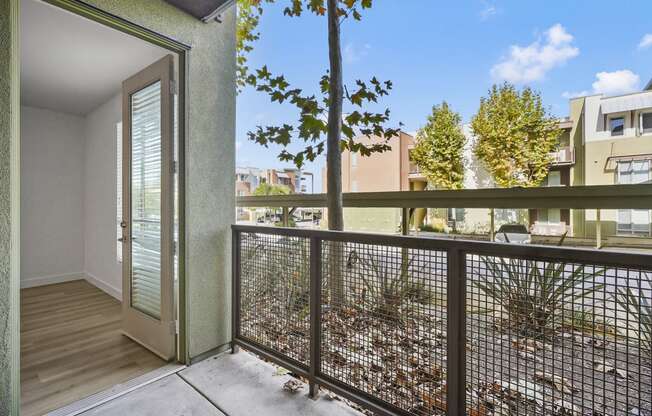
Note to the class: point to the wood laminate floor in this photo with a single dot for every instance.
(71, 346)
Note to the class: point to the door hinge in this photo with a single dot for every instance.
(175, 167)
(174, 88)
(174, 247)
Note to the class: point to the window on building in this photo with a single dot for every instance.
(646, 122)
(549, 215)
(633, 221)
(354, 186)
(617, 126)
(118, 191)
(553, 179)
(354, 159)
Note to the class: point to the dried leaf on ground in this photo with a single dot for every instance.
(293, 385)
(607, 368)
(519, 389)
(529, 345)
(566, 408)
(558, 382)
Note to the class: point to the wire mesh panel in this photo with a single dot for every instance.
(383, 322)
(275, 293)
(557, 338)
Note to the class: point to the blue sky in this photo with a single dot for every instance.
(454, 51)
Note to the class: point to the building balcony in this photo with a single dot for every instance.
(398, 325)
(436, 325)
(564, 156)
(415, 174)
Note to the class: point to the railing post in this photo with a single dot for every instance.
(492, 225)
(286, 217)
(405, 221)
(235, 289)
(456, 332)
(315, 314)
(598, 229)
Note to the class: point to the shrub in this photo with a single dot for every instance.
(433, 228)
(387, 290)
(533, 294)
(585, 320)
(639, 308)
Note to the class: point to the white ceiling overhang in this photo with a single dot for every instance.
(626, 103)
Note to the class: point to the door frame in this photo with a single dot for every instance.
(182, 50)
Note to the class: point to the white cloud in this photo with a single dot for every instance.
(531, 63)
(238, 145)
(646, 41)
(353, 53)
(488, 10)
(616, 82)
(575, 94)
(610, 83)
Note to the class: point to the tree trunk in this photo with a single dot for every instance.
(334, 156)
(336, 97)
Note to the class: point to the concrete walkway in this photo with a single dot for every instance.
(224, 385)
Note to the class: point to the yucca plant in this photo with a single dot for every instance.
(289, 273)
(586, 320)
(387, 289)
(533, 294)
(639, 309)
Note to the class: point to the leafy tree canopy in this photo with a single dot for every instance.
(312, 123)
(439, 148)
(266, 189)
(515, 135)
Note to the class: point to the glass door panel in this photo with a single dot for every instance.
(146, 200)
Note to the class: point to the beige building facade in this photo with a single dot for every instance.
(604, 141)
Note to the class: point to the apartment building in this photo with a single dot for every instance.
(605, 140)
(382, 172)
(614, 146)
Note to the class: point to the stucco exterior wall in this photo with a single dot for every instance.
(210, 160)
(9, 201)
(210, 163)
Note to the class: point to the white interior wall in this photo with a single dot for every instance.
(52, 148)
(100, 201)
(69, 203)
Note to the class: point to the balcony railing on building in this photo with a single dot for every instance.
(563, 156)
(433, 326)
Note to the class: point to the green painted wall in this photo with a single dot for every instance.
(210, 163)
(9, 214)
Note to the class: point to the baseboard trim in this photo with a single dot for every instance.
(50, 280)
(104, 287)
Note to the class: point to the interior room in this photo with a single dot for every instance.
(72, 339)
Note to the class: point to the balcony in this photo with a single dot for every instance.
(564, 156)
(400, 325)
(433, 326)
(415, 326)
(415, 173)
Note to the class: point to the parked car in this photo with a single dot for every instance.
(513, 233)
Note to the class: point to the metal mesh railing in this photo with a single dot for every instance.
(555, 337)
(275, 293)
(385, 334)
(430, 327)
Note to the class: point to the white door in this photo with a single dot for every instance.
(148, 207)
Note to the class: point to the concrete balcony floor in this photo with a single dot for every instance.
(227, 384)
